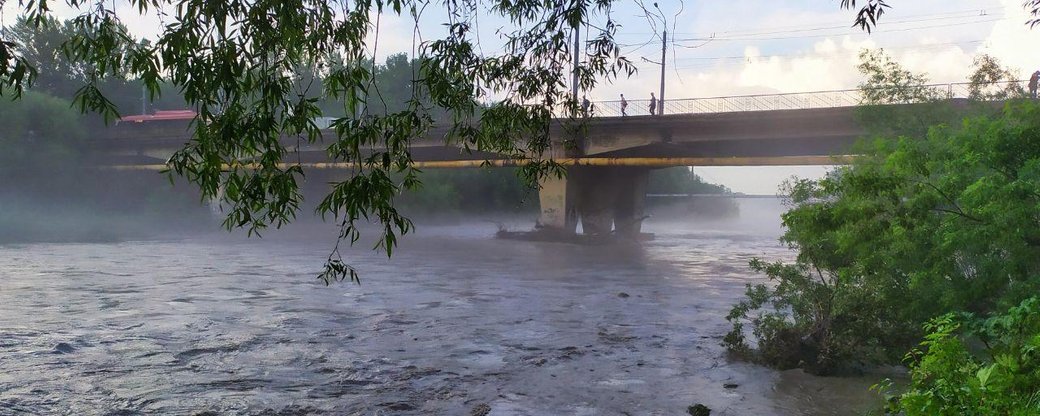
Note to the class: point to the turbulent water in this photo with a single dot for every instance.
(456, 323)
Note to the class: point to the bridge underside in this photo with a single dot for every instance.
(752, 148)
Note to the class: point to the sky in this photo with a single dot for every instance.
(739, 47)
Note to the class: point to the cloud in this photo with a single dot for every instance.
(923, 36)
(1011, 40)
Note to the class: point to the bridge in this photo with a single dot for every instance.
(609, 167)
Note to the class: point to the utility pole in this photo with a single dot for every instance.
(664, 46)
(144, 101)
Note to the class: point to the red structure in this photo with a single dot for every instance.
(163, 115)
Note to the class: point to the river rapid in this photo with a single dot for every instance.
(456, 323)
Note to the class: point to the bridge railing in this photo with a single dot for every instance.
(808, 100)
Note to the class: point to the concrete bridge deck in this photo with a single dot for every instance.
(781, 137)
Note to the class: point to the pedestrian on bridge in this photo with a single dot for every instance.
(653, 104)
(1033, 81)
(624, 106)
(585, 106)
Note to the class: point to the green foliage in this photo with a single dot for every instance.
(811, 320)
(48, 44)
(42, 46)
(869, 14)
(990, 81)
(898, 102)
(38, 133)
(680, 180)
(471, 191)
(48, 194)
(887, 82)
(917, 227)
(972, 366)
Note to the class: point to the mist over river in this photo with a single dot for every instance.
(456, 323)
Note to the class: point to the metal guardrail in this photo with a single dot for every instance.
(796, 100)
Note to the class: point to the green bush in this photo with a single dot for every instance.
(914, 229)
(971, 366)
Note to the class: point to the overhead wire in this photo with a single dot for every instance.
(725, 61)
(751, 39)
(968, 13)
(749, 35)
(960, 17)
(962, 14)
(901, 47)
(675, 20)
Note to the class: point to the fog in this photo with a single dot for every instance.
(85, 204)
(122, 293)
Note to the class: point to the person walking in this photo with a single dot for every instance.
(624, 106)
(585, 106)
(1033, 81)
(653, 104)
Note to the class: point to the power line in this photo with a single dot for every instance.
(887, 24)
(640, 46)
(968, 13)
(749, 39)
(902, 47)
(726, 63)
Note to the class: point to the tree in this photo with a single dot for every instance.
(41, 44)
(897, 102)
(991, 81)
(44, 46)
(237, 64)
(922, 224)
(681, 180)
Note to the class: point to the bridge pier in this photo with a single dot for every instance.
(558, 211)
(605, 199)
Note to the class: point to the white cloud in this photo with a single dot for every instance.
(945, 51)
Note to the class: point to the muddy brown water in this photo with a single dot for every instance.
(456, 322)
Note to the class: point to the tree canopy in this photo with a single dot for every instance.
(925, 222)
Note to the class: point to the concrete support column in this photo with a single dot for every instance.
(611, 199)
(556, 197)
(631, 200)
(607, 200)
(596, 198)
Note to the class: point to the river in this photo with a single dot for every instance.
(456, 323)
